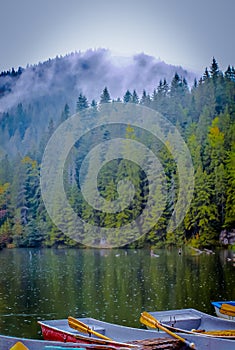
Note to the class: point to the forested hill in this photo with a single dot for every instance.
(31, 97)
(39, 99)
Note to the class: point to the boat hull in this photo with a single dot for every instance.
(186, 320)
(7, 343)
(217, 305)
(62, 336)
(123, 336)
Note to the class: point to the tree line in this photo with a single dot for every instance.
(204, 115)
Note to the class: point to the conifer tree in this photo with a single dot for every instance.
(65, 113)
(145, 99)
(202, 218)
(127, 97)
(175, 84)
(105, 96)
(206, 75)
(94, 104)
(135, 98)
(82, 103)
(230, 73)
(51, 128)
(165, 88)
(214, 68)
(94, 108)
(230, 192)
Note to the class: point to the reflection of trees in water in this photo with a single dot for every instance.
(110, 284)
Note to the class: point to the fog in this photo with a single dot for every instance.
(63, 78)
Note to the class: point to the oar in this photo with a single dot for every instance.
(82, 327)
(228, 309)
(152, 322)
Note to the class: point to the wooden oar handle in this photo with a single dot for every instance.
(82, 327)
(149, 320)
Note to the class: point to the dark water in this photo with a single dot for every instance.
(112, 285)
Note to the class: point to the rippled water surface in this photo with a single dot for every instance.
(112, 285)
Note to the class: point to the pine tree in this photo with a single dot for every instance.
(160, 101)
(94, 109)
(214, 68)
(216, 166)
(6, 173)
(176, 83)
(105, 96)
(51, 128)
(230, 73)
(135, 98)
(127, 97)
(206, 75)
(230, 190)
(154, 96)
(4, 202)
(179, 101)
(5, 233)
(145, 99)
(82, 103)
(202, 218)
(65, 114)
(21, 120)
(94, 105)
(165, 88)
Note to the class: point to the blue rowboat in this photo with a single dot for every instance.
(191, 320)
(225, 309)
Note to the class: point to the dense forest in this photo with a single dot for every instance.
(205, 117)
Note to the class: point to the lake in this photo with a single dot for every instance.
(113, 285)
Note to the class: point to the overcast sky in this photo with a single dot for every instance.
(180, 32)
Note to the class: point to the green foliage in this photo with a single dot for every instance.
(230, 189)
(204, 116)
(5, 233)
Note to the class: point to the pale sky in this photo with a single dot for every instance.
(180, 32)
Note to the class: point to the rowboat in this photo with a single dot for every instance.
(126, 337)
(111, 335)
(193, 321)
(225, 309)
(15, 343)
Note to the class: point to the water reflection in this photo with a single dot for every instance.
(112, 285)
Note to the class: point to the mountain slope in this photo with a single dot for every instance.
(43, 90)
(88, 73)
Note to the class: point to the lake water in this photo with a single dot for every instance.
(112, 285)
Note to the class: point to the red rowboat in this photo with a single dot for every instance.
(125, 337)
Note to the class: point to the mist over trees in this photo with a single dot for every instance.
(204, 115)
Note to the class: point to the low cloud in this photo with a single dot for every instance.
(63, 78)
